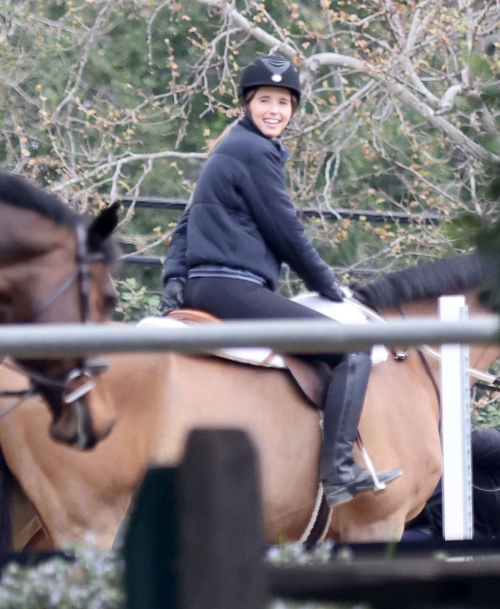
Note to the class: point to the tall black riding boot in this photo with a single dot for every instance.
(342, 478)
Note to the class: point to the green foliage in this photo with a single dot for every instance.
(480, 66)
(487, 416)
(294, 553)
(463, 229)
(135, 301)
(93, 581)
(98, 97)
(486, 409)
(487, 240)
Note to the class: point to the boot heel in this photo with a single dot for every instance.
(338, 496)
(342, 493)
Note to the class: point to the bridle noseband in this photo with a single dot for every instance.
(85, 369)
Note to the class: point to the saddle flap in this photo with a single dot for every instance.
(192, 316)
(311, 378)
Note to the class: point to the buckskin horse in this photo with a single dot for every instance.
(54, 267)
(159, 398)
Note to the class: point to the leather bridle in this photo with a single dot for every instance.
(485, 380)
(85, 369)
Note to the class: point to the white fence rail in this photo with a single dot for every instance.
(67, 340)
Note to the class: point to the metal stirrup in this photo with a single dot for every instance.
(378, 485)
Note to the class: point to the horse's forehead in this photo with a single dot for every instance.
(24, 232)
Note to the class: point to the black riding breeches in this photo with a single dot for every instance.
(241, 299)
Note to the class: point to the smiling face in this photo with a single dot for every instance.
(271, 110)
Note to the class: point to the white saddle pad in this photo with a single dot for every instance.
(346, 312)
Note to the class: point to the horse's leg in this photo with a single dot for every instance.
(356, 522)
(6, 490)
(28, 532)
(80, 496)
(39, 542)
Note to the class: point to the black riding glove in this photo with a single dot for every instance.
(172, 297)
(334, 293)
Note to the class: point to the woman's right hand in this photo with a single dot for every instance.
(334, 293)
(173, 296)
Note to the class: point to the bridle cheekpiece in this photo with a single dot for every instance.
(85, 369)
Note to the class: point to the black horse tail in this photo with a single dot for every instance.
(6, 488)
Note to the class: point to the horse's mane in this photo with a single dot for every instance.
(18, 191)
(429, 280)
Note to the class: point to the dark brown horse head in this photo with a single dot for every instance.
(55, 268)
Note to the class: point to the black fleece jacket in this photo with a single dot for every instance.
(241, 216)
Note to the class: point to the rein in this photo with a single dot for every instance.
(85, 369)
(490, 381)
(22, 395)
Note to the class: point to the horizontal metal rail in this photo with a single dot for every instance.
(158, 261)
(292, 336)
(338, 213)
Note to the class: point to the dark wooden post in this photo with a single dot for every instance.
(220, 525)
(151, 543)
(195, 539)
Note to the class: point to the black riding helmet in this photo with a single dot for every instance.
(270, 71)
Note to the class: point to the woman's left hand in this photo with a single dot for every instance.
(172, 297)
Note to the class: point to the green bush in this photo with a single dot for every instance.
(93, 580)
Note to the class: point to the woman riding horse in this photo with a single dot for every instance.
(226, 253)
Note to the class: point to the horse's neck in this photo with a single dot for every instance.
(480, 356)
(423, 308)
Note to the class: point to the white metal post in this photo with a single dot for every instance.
(455, 428)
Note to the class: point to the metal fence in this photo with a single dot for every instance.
(330, 215)
(67, 340)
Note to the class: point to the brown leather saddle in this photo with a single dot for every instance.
(311, 378)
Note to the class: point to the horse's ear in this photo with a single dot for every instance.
(103, 226)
